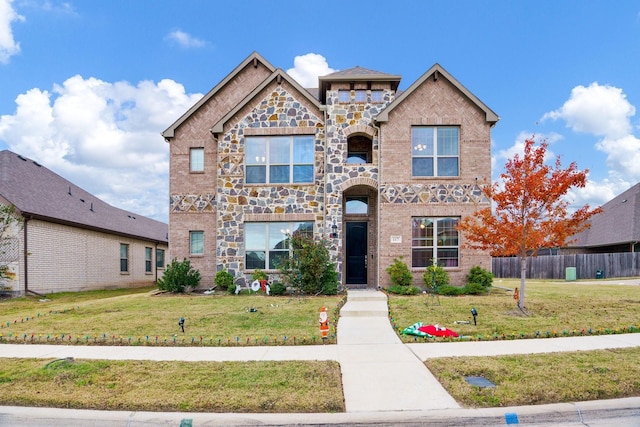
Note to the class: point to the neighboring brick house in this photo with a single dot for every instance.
(70, 240)
(615, 229)
(379, 173)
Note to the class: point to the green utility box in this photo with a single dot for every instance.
(599, 274)
(570, 274)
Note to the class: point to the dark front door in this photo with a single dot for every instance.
(356, 253)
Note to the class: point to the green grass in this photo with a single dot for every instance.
(525, 379)
(173, 386)
(149, 318)
(559, 308)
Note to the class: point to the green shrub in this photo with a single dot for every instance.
(475, 289)
(223, 279)
(480, 276)
(277, 289)
(259, 275)
(435, 276)
(310, 268)
(179, 276)
(403, 290)
(450, 290)
(399, 273)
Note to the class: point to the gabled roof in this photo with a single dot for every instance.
(278, 75)
(356, 74)
(618, 223)
(255, 57)
(437, 72)
(39, 193)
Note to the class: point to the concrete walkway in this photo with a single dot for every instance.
(379, 373)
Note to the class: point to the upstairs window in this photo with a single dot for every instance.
(196, 159)
(361, 96)
(279, 159)
(344, 96)
(376, 96)
(435, 151)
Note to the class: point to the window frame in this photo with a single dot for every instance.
(440, 231)
(267, 248)
(435, 151)
(193, 241)
(268, 163)
(159, 258)
(148, 259)
(124, 258)
(196, 166)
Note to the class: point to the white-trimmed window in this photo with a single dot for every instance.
(344, 96)
(124, 258)
(376, 96)
(160, 258)
(435, 151)
(148, 259)
(279, 159)
(434, 238)
(196, 242)
(196, 159)
(266, 243)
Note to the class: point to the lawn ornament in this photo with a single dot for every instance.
(324, 323)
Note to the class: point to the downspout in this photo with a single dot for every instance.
(24, 242)
(379, 202)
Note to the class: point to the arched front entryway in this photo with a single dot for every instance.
(360, 225)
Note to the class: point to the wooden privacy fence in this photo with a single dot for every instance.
(587, 266)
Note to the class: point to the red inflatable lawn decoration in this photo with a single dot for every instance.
(437, 331)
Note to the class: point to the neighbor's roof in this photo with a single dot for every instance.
(619, 222)
(38, 192)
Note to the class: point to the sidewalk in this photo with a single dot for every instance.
(381, 376)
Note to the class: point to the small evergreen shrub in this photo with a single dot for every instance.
(474, 289)
(277, 289)
(223, 279)
(480, 276)
(450, 290)
(179, 276)
(435, 276)
(399, 273)
(403, 290)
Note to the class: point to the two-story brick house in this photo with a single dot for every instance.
(377, 172)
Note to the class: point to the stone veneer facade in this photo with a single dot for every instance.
(257, 99)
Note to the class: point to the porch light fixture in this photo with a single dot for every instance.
(334, 231)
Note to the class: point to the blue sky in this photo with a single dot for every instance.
(87, 86)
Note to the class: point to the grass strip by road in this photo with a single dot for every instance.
(537, 379)
(278, 387)
(553, 308)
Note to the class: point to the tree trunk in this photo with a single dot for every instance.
(523, 274)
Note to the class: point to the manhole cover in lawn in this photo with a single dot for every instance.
(479, 381)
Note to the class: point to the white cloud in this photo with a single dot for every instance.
(8, 46)
(185, 40)
(596, 109)
(500, 158)
(307, 68)
(604, 112)
(104, 137)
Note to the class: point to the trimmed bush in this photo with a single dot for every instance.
(403, 290)
(441, 277)
(450, 290)
(399, 273)
(480, 276)
(278, 289)
(475, 289)
(179, 276)
(223, 279)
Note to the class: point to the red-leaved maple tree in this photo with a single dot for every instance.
(529, 211)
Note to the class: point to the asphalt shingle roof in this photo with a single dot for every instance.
(40, 193)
